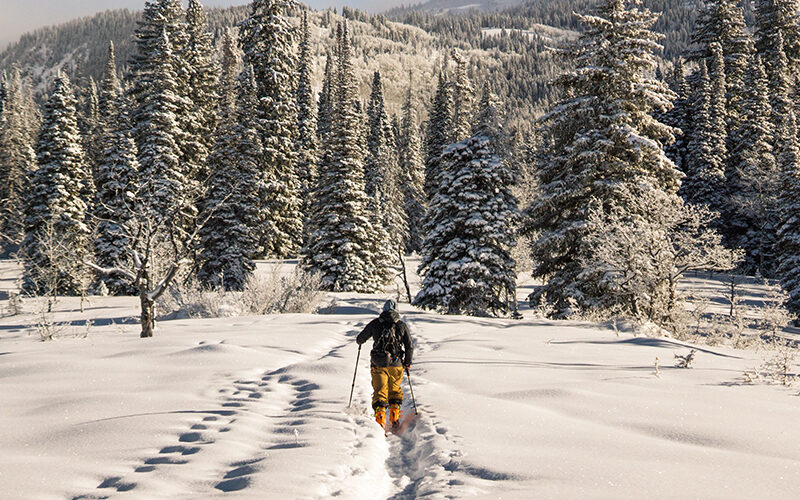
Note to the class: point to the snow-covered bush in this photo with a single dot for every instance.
(272, 293)
(264, 293)
(190, 299)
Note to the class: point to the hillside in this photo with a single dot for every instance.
(256, 407)
(398, 50)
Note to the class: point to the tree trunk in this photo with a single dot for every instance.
(147, 314)
(405, 275)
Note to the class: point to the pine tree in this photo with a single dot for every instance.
(342, 238)
(603, 156)
(161, 110)
(780, 84)
(90, 127)
(466, 263)
(117, 184)
(382, 171)
(109, 87)
(17, 157)
(678, 116)
(202, 91)
(463, 96)
(754, 152)
(306, 144)
(228, 239)
(440, 134)
(412, 177)
(489, 122)
(722, 22)
(163, 180)
(705, 176)
(325, 103)
(777, 19)
(56, 234)
(267, 39)
(788, 229)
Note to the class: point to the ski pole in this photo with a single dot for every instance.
(408, 376)
(354, 377)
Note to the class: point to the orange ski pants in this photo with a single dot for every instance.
(386, 388)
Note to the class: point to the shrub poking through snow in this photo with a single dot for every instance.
(685, 361)
(263, 293)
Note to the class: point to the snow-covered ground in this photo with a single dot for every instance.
(255, 407)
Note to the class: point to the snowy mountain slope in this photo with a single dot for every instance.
(255, 407)
(79, 48)
(456, 6)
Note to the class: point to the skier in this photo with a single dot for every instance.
(391, 353)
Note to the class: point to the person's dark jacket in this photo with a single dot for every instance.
(375, 327)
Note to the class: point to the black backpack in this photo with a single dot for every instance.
(388, 343)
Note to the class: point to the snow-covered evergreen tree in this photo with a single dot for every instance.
(440, 133)
(342, 240)
(705, 169)
(306, 144)
(412, 175)
(228, 239)
(202, 90)
(463, 96)
(161, 110)
(466, 263)
(116, 180)
(779, 76)
(17, 157)
(489, 122)
(777, 19)
(56, 234)
(109, 87)
(678, 116)
(747, 220)
(788, 230)
(163, 180)
(267, 39)
(604, 154)
(382, 171)
(325, 102)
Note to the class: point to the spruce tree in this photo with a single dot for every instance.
(228, 239)
(342, 240)
(382, 172)
(463, 96)
(777, 19)
(780, 84)
(788, 229)
(412, 178)
(439, 134)
(202, 91)
(604, 156)
(161, 110)
(705, 176)
(267, 39)
(17, 157)
(466, 263)
(306, 143)
(754, 152)
(56, 234)
(109, 87)
(163, 190)
(678, 116)
(325, 102)
(117, 185)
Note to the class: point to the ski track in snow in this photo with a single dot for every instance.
(267, 413)
(261, 417)
(426, 461)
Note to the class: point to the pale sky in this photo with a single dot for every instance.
(20, 16)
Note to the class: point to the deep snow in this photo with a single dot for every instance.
(255, 407)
